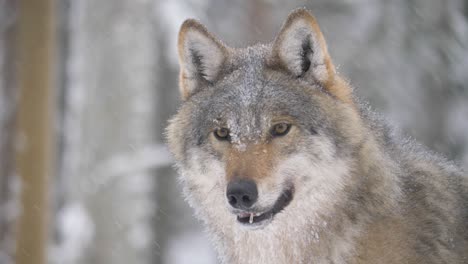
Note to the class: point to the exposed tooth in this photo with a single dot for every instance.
(251, 218)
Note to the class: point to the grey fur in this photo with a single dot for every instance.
(363, 193)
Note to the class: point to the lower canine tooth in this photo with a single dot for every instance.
(251, 218)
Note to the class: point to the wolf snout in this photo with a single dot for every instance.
(242, 193)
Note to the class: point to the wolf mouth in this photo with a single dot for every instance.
(252, 218)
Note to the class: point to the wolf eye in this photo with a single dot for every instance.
(222, 133)
(280, 129)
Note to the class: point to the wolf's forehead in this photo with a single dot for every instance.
(245, 84)
(253, 92)
(249, 65)
(247, 100)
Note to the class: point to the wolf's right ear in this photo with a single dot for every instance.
(201, 57)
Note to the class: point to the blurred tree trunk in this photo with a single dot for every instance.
(8, 21)
(108, 136)
(34, 154)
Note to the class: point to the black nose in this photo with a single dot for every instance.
(242, 194)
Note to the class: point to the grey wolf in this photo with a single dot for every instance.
(283, 164)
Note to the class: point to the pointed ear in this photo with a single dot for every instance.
(201, 57)
(300, 49)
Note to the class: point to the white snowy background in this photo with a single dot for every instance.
(114, 196)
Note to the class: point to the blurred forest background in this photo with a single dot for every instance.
(86, 88)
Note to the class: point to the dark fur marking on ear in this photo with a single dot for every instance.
(306, 50)
(197, 61)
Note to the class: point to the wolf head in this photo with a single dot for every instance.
(265, 134)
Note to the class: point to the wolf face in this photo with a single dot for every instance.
(257, 123)
(264, 141)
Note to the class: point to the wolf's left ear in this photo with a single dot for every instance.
(301, 50)
(201, 57)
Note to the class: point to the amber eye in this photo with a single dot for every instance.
(280, 129)
(222, 133)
